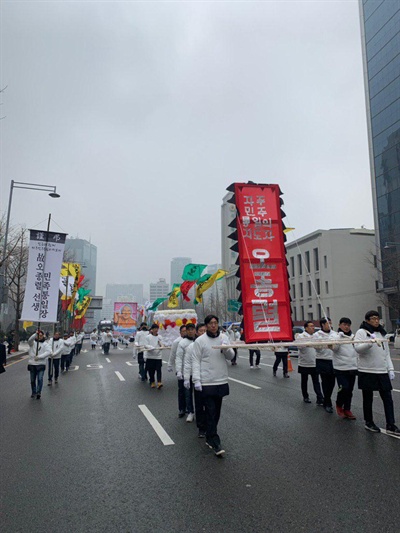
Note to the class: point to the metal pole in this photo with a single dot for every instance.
(3, 259)
(41, 285)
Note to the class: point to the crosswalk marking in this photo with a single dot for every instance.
(120, 376)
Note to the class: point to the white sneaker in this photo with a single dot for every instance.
(251, 366)
(190, 417)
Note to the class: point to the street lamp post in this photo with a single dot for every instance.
(51, 190)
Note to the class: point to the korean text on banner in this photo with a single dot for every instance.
(46, 251)
(262, 259)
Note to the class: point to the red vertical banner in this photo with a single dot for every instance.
(262, 263)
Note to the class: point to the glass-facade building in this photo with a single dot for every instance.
(380, 29)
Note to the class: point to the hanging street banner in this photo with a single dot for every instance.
(262, 262)
(125, 318)
(46, 250)
(192, 271)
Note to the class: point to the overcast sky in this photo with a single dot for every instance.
(142, 113)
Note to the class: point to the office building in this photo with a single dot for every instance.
(380, 32)
(160, 289)
(177, 266)
(332, 273)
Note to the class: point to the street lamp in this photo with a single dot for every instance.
(50, 189)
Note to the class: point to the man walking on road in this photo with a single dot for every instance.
(179, 366)
(57, 347)
(307, 364)
(324, 363)
(106, 338)
(281, 354)
(345, 369)
(39, 350)
(210, 375)
(171, 365)
(79, 341)
(140, 342)
(375, 371)
(154, 357)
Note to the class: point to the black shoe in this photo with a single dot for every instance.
(372, 427)
(286, 376)
(38, 396)
(393, 430)
(328, 409)
(33, 395)
(56, 381)
(202, 434)
(209, 445)
(274, 374)
(306, 400)
(181, 415)
(50, 383)
(320, 403)
(219, 452)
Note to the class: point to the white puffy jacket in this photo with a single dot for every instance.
(181, 354)
(344, 355)
(209, 365)
(307, 354)
(41, 349)
(324, 353)
(372, 358)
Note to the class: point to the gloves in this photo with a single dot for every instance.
(170, 369)
(198, 386)
(391, 375)
(179, 375)
(186, 384)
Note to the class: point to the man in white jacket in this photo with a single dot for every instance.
(154, 356)
(39, 350)
(324, 363)
(171, 365)
(179, 366)
(375, 371)
(57, 347)
(210, 375)
(140, 342)
(345, 369)
(106, 338)
(307, 364)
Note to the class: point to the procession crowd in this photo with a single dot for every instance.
(199, 359)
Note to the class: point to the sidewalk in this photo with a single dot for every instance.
(23, 350)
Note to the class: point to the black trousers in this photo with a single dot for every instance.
(325, 370)
(200, 410)
(278, 358)
(212, 405)
(78, 349)
(65, 361)
(106, 348)
(316, 385)
(153, 366)
(386, 395)
(345, 381)
(233, 360)
(54, 366)
(251, 356)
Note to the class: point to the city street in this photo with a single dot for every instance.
(85, 457)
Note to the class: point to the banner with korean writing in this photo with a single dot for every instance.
(46, 251)
(262, 263)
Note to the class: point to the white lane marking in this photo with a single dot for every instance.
(396, 390)
(244, 383)
(108, 360)
(166, 362)
(155, 424)
(120, 376)
(73, 368)
(388, 434)
(130, 364)
(94, 367)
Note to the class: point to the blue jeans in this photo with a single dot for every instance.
(37, 378)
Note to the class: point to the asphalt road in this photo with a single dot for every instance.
(84, 458)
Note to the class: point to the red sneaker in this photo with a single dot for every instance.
(340, 412)
(349, 415)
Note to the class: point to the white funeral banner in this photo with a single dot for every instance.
(46, 250)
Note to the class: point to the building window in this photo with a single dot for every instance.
(326, 287)
(325, 262)
(375, 262)
(295, 313)
(300, 265)
(328, 312)
(294, 292)
(376, 285)
(292, 267)
(310, 316)
(380, 311)
(309, 288)
(301, 290)
(302, 312)
(318, 284)
(319, 311)
(307, 254)
(316, 259)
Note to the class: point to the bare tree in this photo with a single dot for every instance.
(16, 270)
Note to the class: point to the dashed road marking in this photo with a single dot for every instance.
(108, 360)
(155, 424)
(130, 364)
(244, 383)
(120, 376)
